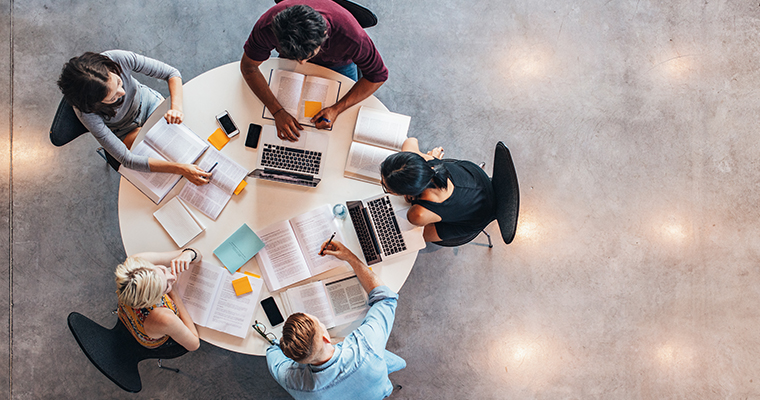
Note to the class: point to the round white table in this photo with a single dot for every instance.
(261, 203)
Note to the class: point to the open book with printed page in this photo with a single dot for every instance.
(377, 134)
(335, 301)
(168, 142)
(211, 198)
(300, 95)
(291, 248)
(208, 294)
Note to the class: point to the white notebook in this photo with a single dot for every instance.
(179, 221)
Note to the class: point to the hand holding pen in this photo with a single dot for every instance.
(324, 246)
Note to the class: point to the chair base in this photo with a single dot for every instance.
(160, 365)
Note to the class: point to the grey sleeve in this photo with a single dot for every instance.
(144, 65)
(111, 143)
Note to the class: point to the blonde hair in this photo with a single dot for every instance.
(137, 284)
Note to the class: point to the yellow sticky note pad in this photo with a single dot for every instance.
(242, 286)
(240, 187)
(311, 108)
(218, 139)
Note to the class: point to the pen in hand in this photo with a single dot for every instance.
(324, 119)
(321, 253)
(212, 167)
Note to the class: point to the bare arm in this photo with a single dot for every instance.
(421, 216)
(366, 277)
(177, 260)
(162, 321)
(360, 91)
(413, 146)
(287, 125)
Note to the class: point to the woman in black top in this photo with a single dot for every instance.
(452, 199)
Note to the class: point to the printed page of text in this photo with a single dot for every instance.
(311, 299)
(347, 297)
(365, 160)
(312, 229)
(227, 175)
(175, 141)
(281, 260)
(197, 287)
(381, 128)
(232, 314)
(208, 199)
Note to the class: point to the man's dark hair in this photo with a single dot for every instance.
(299, 30)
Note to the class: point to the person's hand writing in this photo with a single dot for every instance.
(325, 118)
(287, 126)
(182, 262)
(337, 249)
(174, 116)
(195, 174)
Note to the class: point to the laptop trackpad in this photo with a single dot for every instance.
(403, 222)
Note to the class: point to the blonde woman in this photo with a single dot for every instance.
(148, 307)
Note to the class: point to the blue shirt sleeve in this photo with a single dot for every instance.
(377, 324)
(276, 360)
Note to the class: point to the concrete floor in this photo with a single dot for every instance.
(635, 273)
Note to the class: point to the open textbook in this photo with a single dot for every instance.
(179, 221)
(335, 301)
(206, 289)
(169, 142)
(291, 248)
(211, 198)
(377, 135)
(300, 95)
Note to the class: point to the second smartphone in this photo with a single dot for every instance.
(227, 125)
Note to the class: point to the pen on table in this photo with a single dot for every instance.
(321, 253)
(212, 167)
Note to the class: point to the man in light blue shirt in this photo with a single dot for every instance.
(308, 366)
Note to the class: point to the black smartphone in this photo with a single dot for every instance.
(273, 313)
(252, 140)
(226, 123)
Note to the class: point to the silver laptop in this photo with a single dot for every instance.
(384, 233)
(299, 163)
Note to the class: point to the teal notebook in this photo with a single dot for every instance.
(238, 248)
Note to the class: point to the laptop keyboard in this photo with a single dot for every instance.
(388, 231)
(363, 232)
(287, 158)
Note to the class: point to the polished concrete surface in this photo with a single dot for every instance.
(634, 273)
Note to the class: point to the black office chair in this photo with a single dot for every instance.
(116, 353)
(507, 193)
(363, 15)
(66, 127)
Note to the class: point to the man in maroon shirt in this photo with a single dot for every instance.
(318, 31)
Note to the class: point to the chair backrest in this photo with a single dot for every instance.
(66, 125)
(363, 15)
(507, 192)
(114, 352)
